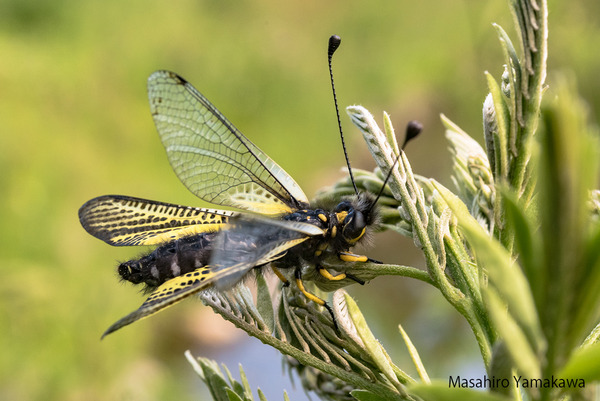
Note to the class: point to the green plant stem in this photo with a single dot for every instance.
(400, 270)
(461, 259)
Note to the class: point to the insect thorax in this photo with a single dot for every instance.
(344, 226)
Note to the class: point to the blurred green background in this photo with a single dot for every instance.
(74, 124)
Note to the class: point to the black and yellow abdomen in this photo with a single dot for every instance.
(168, 261)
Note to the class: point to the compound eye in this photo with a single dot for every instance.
(359, 221)
(354, 226)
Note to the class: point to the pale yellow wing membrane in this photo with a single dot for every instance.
(211, 157)
(124, 220)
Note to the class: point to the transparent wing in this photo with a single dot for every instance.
(250, 242)
(124, 220)
(243, 245)
(169, 294)
(211, 157)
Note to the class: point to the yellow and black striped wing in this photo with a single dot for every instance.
(124, 220)
(211, 157)
(246, 243)
(169, 293)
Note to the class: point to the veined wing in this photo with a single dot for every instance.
(169, 294)
(253, 241)
(211, 157)
(124, 220)
(244, 245)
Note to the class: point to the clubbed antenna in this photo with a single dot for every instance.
(413, 129)
(334, 43)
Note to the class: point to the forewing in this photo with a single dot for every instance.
(211, 157)
(251, 241)
(123, 220)
(169, 294)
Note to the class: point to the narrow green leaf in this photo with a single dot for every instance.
(264, 304)
(414, 354)
(442, 391)
(214, 380)
(514, 70)
(589, 296)
(388, 128)
(593, 337)
(261, 395)
(245, 384)
(364, 395)
(195, 365)
(510, 54)
(583, 364)
(515, 340)
(233, 396)
(527, 242)
(371, 344)
(502, 367)
(501, 143)
(235, 385)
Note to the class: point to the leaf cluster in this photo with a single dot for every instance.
(515, 249)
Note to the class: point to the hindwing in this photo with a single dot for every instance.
(211, 157)
(125, 220)
(170, 293)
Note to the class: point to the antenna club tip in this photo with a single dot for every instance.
(334, 43)
(413, 128)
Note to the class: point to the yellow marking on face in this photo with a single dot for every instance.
(323, 246)
(322, 217)
(355, 240)
(341, 216)
(307, 294)
(318, 253)
(325, 273)
(348, 257)
(333, 231)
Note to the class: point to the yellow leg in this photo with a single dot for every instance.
(279, 275)
(350, 257)
(325, 273)
(307, 294)
(314, 298)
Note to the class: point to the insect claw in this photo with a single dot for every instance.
(354, 278)
(333, 319)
